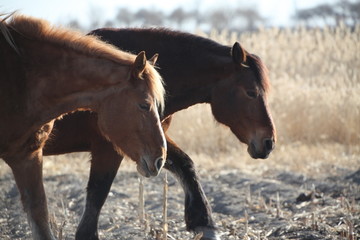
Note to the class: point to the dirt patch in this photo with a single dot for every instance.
(276, 205)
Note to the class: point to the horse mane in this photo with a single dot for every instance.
(255, 63)
(156, 86)
(183, 37)
(42, 30)
(197, 45)
(5, 31)
(261, 71)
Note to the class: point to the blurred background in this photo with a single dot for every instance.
(312, 50)
(234, 15)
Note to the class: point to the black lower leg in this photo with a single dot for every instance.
(197, 208)
(97, 191)
(104, 166)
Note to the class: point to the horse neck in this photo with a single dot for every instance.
(190, 65)
(64, 80)
(196, 81)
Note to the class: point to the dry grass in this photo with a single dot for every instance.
(315, 100)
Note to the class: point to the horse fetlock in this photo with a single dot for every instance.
(40, 231)
(208, 233)
(82, 235)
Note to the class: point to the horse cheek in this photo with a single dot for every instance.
(110, 121)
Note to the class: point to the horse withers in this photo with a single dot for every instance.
(47, 72)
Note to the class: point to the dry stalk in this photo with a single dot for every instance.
(165, 223)
(141, 210)
(171, 237)
(248, 196)
(262, 202)
(60, 234)
(246, 223)
(350, 235)
(313, 193)
(198, 236)
(63, 208)
(353, 205)
(278, 210)
(141, 200)
(57, 228)
(314, 224)
(346, 204)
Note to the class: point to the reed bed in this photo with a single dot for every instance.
(314, 99)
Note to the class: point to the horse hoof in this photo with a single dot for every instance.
(208, 233)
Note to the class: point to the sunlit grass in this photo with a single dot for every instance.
(315, 101)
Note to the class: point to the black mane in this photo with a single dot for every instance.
(199, 44)
(190, 43)
(185, 46)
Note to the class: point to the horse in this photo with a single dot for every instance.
(48, 72)
(195, 70)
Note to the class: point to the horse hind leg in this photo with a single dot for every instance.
(104, 165)
(198, 215)
(28, 176)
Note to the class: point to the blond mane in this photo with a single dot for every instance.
(42, 30)
(156, 86)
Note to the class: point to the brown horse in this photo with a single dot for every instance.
(47, 72)
(233, 81)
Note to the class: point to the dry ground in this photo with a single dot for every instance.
(251, 199)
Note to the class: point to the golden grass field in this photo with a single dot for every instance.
(314, 99)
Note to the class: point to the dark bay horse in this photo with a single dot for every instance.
(46, 72)
(195, 70)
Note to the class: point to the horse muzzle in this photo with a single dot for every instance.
(148, 168)
(261, 149)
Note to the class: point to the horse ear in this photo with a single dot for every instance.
(154, 59)
(238, 53)
(139, 64)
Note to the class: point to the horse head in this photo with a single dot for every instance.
(134, 113)
(240, 102)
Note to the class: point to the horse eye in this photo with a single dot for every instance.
(145, 106)
(251, 93)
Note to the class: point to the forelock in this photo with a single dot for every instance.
(156, 85)
(261, 71)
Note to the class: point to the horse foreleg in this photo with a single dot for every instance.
(104, 165)
(197, 208)
(28, 176)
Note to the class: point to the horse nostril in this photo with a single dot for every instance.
(159, 163)
(269, 144)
